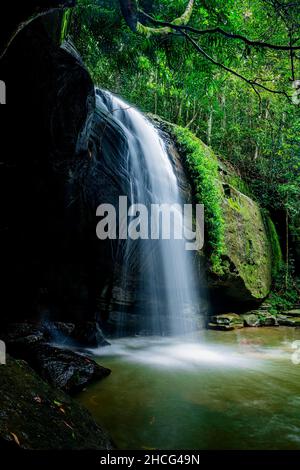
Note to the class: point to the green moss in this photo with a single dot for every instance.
(246, 243)
(250, 274)
(240, 185)
(65, 24)
(202, 167)
(234, 204)
(275, 245)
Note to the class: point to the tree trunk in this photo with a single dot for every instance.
(155, 94)
(223, 99)
(286, 247)
(209, 127)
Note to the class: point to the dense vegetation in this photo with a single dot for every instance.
(237, 97)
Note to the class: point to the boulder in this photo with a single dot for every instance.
(65, 369)
(35, 416)
(269, 320)
(247, 252)
(284, 320)
(292, 313)
(259, 318)
(225, 322)
(250, 319)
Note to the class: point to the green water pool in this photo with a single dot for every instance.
(218, 390)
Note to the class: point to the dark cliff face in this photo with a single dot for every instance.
(57, 168)
(46, 218)
(14, 16)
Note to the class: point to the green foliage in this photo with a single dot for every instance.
(277, 261)
(241, 185)
(202, 167)
(284, 297)
(66, 19)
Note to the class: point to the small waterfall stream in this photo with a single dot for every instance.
(168, 277)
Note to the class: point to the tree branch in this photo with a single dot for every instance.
(167, 27)
(250, 82)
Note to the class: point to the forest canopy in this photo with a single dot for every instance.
(255, 129)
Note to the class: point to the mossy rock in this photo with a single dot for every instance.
(247, 254)
(226, 322)
(289, 321)
(252, 320)
(33, 415)
(292, 313)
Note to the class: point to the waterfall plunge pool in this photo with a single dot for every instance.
(222, 390)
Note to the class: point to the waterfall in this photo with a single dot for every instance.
(167, 300)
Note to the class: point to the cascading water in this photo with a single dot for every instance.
(166, 295)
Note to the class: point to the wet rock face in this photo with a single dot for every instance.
(47, 262)
(35, 416)
(89, 335)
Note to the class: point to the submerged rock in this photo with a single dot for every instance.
(35, 416)
(226, 322)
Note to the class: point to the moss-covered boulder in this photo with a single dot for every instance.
(247, 252)
(241, 245)
(33, 415)
(251, 319)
